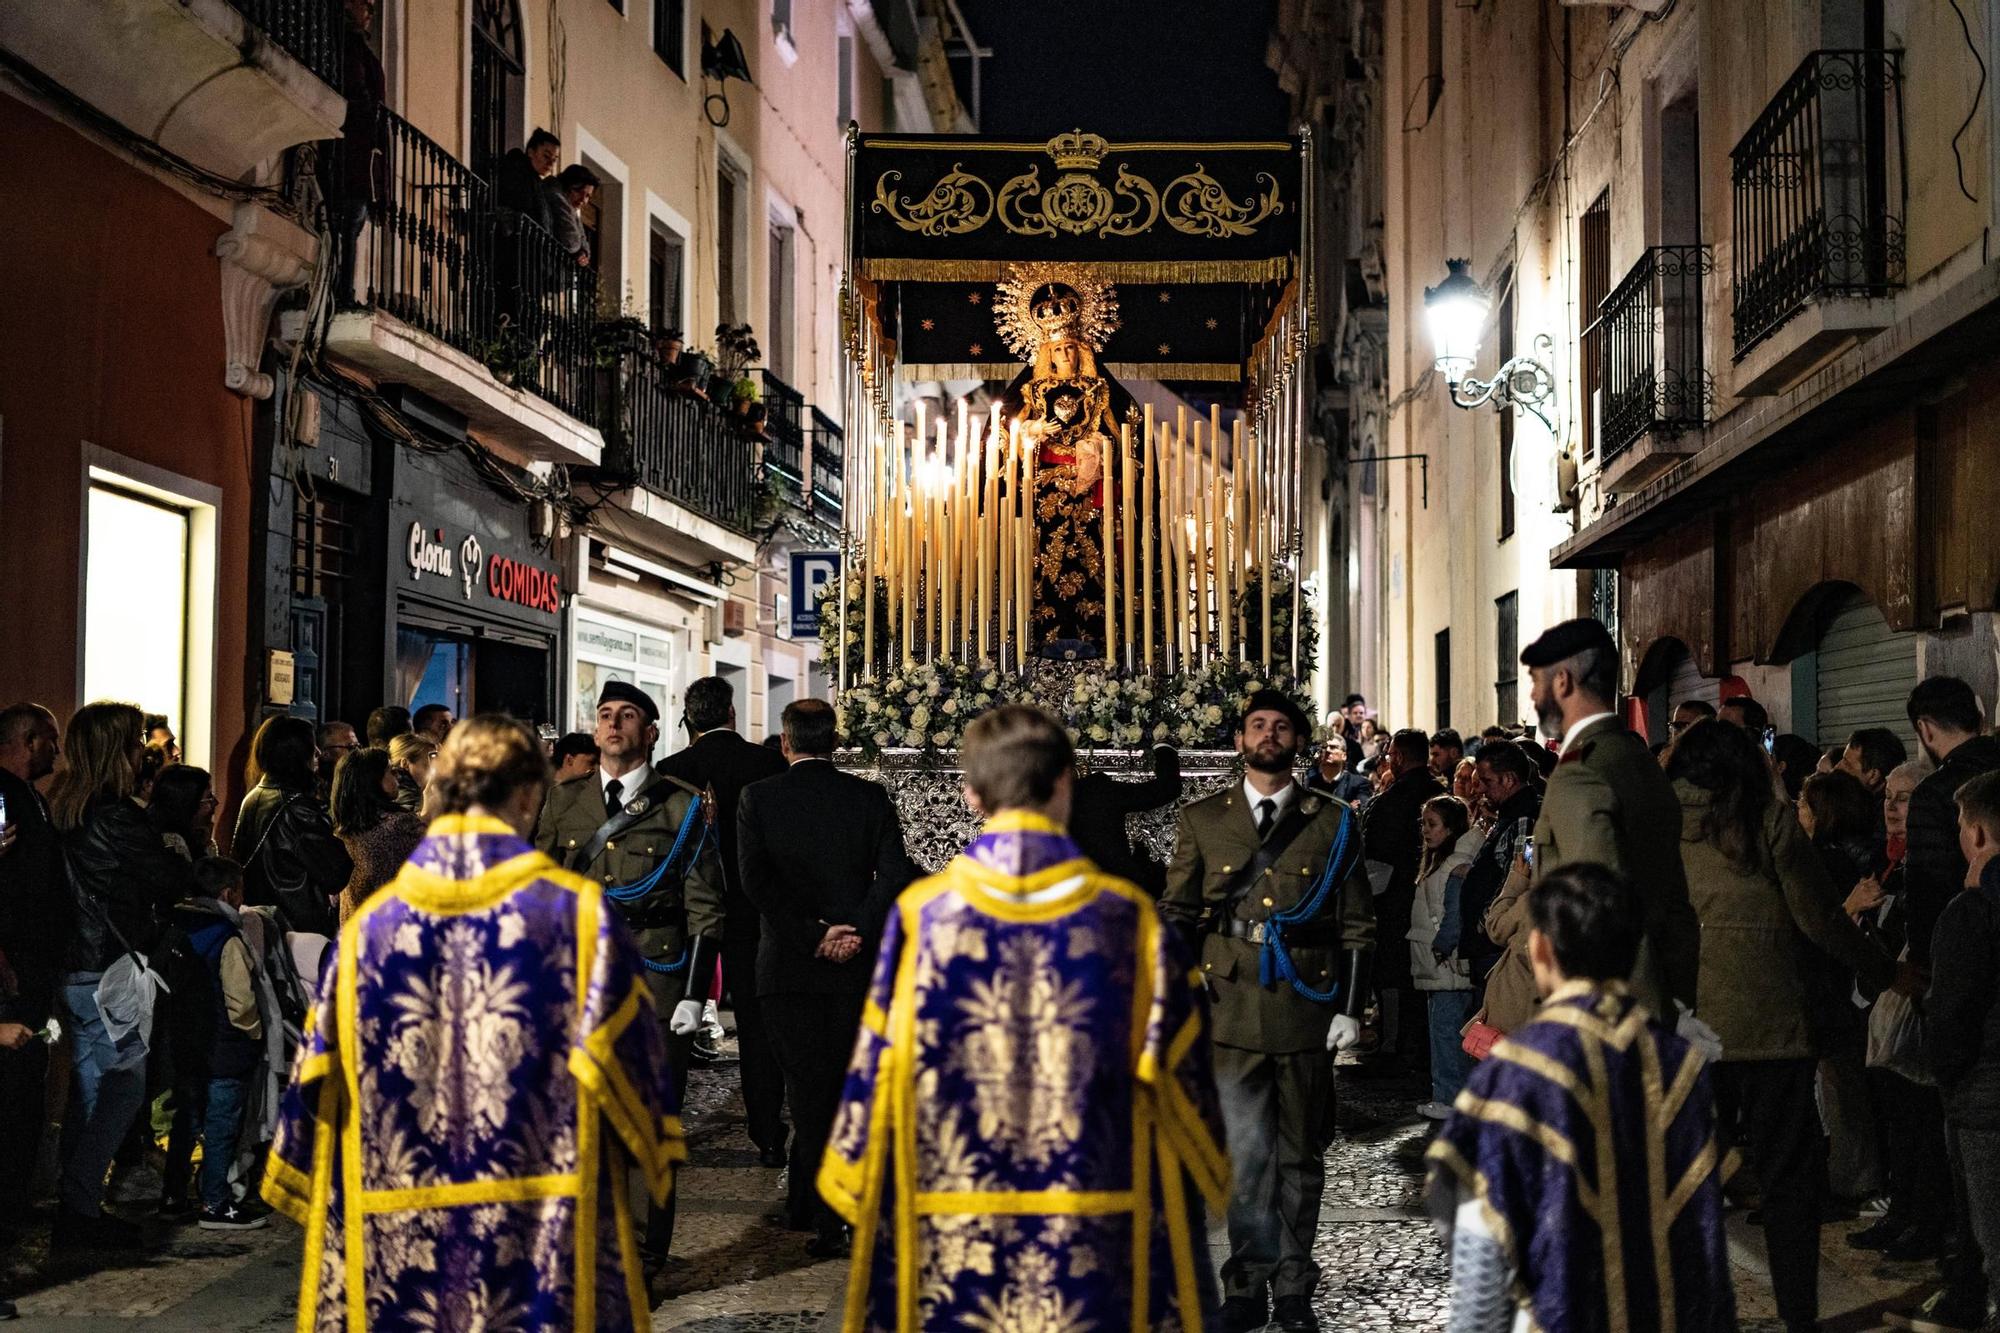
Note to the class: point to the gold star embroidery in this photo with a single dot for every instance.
(973, 297)
(1166, 297)
(1211, 322)
(976, 350)
(930, 324)
(1165, 349)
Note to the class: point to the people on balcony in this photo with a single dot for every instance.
(519, 183)
(567, 194)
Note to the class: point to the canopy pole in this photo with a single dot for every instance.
(848, 446)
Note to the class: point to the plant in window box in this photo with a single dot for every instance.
(512, 354)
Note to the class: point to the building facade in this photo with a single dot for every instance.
(1755, 238)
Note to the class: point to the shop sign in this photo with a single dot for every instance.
(811, 571)
(595, 636)
(431, 554)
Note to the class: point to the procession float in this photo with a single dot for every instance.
(1108, 522)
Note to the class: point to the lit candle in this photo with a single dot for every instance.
(906, 545)
(1128, 505)
(869, 565)
(1239, 535)
(942, 480)
(1198, 551)
(1218, 530)
(1263, 553)
(1149, 483)
(1025, 601)
(1105, 483)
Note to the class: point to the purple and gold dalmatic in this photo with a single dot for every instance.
(484, 1070)
(1588, 1141)
(1029, 1123)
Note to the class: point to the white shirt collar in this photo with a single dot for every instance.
(628, 784)
(1581, 723)
(1284, 798)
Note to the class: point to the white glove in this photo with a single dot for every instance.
(1344, 1034)
(687, 1017)
(1698, 1034)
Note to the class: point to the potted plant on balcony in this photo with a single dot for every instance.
(734, 387)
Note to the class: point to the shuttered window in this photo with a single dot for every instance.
(1865, 673)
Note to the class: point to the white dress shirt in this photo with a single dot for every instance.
(1283, 797)
(1581, 723)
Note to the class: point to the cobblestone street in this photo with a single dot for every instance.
(735, 1273)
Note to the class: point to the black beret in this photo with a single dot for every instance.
(1561, 642)
(624, 692)
(1277, 701)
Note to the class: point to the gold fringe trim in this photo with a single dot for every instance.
(1228, 372)
(1115, 270)
(946, 144)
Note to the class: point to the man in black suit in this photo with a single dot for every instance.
(1097, 819)
(822, 857)
(719, 760)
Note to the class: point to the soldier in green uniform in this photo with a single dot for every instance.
(648, 839)
(1608, 802)
(1268, 877)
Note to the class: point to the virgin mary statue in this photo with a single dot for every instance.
(1058, 317)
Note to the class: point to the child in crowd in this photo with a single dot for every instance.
(1450, 844)
(218, 1047)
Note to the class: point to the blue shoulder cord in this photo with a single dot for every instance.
(637, 889)
(1274, 960)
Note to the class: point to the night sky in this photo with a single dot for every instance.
(1126, 69)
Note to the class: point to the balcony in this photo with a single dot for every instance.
(1655, 388)
(828, 446)
(1819, 190)
(228, 86)
(477, 309)
(785, 445)
(685, 464)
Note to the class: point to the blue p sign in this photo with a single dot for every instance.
(812, 572)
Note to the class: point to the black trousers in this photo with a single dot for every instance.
(23, 1123)
(667, 990)
(1912, 1120)
(1770, 1104)
(814, 1036)
(763, 1080)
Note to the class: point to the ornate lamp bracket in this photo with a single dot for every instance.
(1524, 382)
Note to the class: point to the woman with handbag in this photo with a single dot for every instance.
(291, 858)
(1769, 917)
(124, 882)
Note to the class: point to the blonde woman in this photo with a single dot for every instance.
(125, 881)
(410, 759)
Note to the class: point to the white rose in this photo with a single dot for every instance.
(941, 739)
(883, 740)
(1212, 715)
(1129, 735)
(951, 706)
(990, 681)
(1160, 731)
(1187, 698)
(1098, 733)
(1253, 687)
(920, 717)
(873, 706)
(935, 688)
(914, 739)
(912, 696)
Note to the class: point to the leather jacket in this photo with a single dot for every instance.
(291, 858)
(124, 880)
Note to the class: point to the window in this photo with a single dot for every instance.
(618, 5)
(499, 73)
(149, 580)
(1433, 56)
(606, 649)
(843, 66)
(663, 278)
(1593, 244)
(1507, 646)
(778, 343)
(670, 34)
(728, 191)
(781, 17)
(1443, 670)
(1506, 345)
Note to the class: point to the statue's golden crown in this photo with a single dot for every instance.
(1077, 151)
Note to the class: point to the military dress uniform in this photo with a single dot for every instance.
(575, 810)
(1271, 1061)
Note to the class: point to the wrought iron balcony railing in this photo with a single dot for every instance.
(829, 466)
(312, 32)
(1652, 375)
(1819, 191)
(785, 409)
(546, 308)
(685, 448)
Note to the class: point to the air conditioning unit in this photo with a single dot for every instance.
(735, 618)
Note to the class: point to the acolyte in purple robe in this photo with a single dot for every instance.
(484, 1070)
(1581, 1160)
(1029, 1123)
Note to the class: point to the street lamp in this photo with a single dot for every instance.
(1456, 311)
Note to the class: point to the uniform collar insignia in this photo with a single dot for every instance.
(1310, 805)
(638, 805)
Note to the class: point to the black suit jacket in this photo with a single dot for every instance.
(819, 847)
(726, 763)
(1097, 819)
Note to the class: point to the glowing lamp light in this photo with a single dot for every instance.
(1456, 311)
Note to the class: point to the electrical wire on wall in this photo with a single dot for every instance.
(1978, 93)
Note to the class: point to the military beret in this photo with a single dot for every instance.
(1277, 701)
(624, 692)
(1561, 642)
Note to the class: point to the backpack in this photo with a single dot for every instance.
(191, 1015)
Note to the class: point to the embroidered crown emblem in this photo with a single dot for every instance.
(1077, 151)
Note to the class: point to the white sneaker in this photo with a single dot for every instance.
(1434, 1111)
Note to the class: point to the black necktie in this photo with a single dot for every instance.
(1267, 815)
(612, 791)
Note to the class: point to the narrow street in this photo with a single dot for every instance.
(1385, 1268)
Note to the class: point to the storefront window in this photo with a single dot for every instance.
(434, 669)
(135, 636)
(606, 650)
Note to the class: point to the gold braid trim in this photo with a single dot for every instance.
(1277, 269)
(1229, 372)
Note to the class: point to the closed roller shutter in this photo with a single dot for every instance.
(1865, 671)
(1687, 683)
